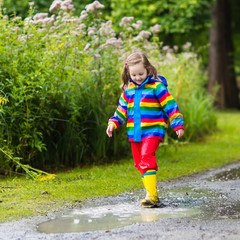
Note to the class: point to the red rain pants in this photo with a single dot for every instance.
(144, 154)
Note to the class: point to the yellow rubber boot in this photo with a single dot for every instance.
(147, 193)
(150, 183)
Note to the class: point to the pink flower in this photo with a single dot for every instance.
(16, 28)
(40, 16)
(187, 45)
(94, 6)
(67, 6)
(165, 48)
(16, 19)
(156, 28)
(144, 34)
(113, 42)
(126, 21)
(106, 29)
(87, 46)
(83, 15)
(91, 30)
(137, 25)
(175, 48)
(137, 38)
(55, 5)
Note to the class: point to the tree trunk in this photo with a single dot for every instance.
(221, 63)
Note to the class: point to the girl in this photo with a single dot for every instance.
(146, 105)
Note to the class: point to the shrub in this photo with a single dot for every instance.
(61, 76)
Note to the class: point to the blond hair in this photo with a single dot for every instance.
(132, 60)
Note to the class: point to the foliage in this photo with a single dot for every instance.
(235, 8)
(61, 76)
(187, 81)
(30, 171)
(173, 16)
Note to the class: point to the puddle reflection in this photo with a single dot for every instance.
(109, 217)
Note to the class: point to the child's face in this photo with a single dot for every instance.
(138, 73)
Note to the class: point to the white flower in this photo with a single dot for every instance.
(82, 26)
(91, 32)
(126, 21)
(83, 12)
(92, 29)
(113, 42)
(40, 16)
(106, 29)
(96, 39)
(156, 28)
(67, 6)
(16, 28)
(22, 38)
(55, 5)
(74, 33)
(137, 25)
(148, 46)
(123, 35)
(137, 38)
(145, 34)
(165, 48)
(188, 55)
(43, 20)
(94, 6)
(187, 45)
(27, 21)
(40, 30)
(175, 48)
(87, 46)
(16, 19)
(83, 15)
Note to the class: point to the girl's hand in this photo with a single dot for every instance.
(110, 129)
(180, 132)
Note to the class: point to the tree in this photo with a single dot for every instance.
(221, 61)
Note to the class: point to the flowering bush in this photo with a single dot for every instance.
(61, 76)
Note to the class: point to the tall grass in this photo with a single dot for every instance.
(61, 76)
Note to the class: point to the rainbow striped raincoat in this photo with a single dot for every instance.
(146, 109)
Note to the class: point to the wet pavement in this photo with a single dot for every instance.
(202, 206)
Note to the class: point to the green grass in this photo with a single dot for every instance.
(21, 197)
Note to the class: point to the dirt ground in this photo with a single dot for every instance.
(202, 206)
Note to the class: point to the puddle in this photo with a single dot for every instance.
(230, 174)
(122, 210)
(109, 217)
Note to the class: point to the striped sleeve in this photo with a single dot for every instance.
(170, 107)
(120, 115)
